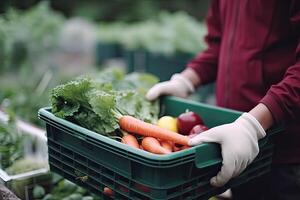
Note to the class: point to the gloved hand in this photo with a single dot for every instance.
(178, 86)
(239, 145)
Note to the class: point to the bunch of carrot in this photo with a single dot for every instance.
(155, 139)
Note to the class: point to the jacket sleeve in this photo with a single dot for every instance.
(283, 99)
(206, 62)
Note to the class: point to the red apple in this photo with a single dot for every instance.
(198, 129)
(186, 121)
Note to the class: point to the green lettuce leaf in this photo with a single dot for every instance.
(98, 103)
(68, 98)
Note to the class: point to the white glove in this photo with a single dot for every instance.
(239, 145)
(178, 86)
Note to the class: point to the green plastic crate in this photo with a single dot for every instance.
(161, 65)
(95, 161)
(106, 51)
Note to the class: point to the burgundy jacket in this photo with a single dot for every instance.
(253, 55)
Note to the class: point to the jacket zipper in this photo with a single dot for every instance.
(230, 48)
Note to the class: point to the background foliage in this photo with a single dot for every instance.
(112, 10)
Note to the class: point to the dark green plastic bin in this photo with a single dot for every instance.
(162, 66)
(165, 66)
(95, 161)
(105, 51)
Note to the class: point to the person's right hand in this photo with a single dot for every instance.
(178, 86)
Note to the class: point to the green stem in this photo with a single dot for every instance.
(124, 132)
(117, 114)
(115, 137)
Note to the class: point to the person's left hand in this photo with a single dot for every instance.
(239, 145)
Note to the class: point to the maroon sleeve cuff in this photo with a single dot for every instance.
(206, 72)
(273, 104)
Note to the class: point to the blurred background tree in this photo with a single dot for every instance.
(116, 10)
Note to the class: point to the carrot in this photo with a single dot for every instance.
(167, 145)
(175, 148)
(152, 145)
(107, 191)
(123, 189)
(142, 188)
(185, 147)
(130, 140)
(134, 125)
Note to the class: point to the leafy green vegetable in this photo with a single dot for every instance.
(38, 192)
(11, 147)
(25, 165)
(65, 186)
(87, 198)
(67, 190)
(141, 82)
(73, 197)
(97, 104)
(110, 75)
(49, 197)
(70, 104)
(16, 87)
(24, 39)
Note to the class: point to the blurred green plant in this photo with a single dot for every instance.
(62, 189)
(25, 165)
(132, 10)
(168, 34)
(25, 92)
(27, 36)
(117, 10)
(11, 147)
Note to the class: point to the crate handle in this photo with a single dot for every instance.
(208, 154)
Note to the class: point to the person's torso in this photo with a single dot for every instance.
(258, 45)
